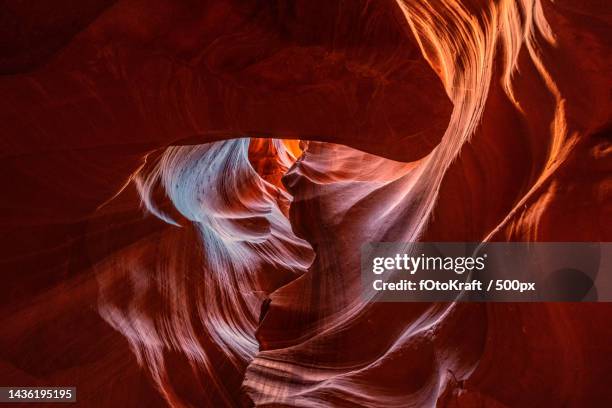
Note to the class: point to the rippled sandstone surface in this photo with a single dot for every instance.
(187, 187)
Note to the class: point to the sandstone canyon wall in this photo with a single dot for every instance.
(187, 186)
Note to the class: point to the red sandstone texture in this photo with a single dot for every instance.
(188, 185)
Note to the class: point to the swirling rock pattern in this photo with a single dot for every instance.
(188, 187)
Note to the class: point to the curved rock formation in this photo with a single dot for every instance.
(189, 187)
